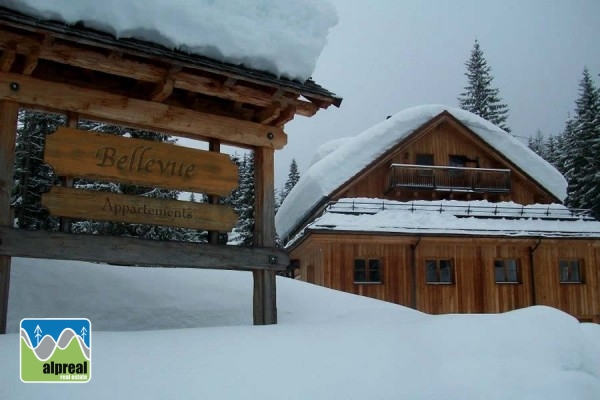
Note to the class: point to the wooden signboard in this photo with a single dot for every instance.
(86, 204)
(139, 162)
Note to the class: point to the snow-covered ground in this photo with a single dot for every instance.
(177, 334)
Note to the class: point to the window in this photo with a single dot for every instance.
(367, 270)
(424, 159)
(570, 271)
(439, 271)
(506, 270)
(457, 161)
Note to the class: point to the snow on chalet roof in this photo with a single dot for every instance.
(328, 174)
(281, 37)
(327, 148)
(452, 217)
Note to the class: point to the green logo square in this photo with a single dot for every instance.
(56, 350)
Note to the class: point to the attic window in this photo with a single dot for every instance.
(424, 159)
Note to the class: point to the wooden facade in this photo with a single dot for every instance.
(86, 74)
(327, 259)
(401, 261)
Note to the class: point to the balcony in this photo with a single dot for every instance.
(449, 179)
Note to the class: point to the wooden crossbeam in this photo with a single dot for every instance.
(138, 113)
(8, 56)
(31, 61)
(98, 61)
(165, 88)
(285, 116)
(269, 114)
(132, 251)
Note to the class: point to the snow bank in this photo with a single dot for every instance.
(281, 37)
(351, 157)
(328, 345)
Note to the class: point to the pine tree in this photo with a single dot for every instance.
(537, 144)
(552, 150)
(31, 176)
(242, 201)
(479, 97)
(580, 158)
(293, 178)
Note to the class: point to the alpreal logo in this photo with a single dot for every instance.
(56, 350)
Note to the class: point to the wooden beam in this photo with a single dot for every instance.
(165, 88)
(285, 116)
(265, 299)
(8, 57)
(8, 132)
(68, 181)
(213, 236)
(269, 114)
(31, 61)
(138, 113)
(98, 61)
(132, 251)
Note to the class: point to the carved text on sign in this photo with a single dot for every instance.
(124, 209)
(87, 204)
(138, 160)
(111, 158)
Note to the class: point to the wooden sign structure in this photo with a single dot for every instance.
(111, 158)
(83, 73)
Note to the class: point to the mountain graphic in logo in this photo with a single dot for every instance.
(56, 350)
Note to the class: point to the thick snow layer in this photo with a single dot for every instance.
(327, 148)
(328, 344)
(281, 37)
(351, 157)
(455, 217)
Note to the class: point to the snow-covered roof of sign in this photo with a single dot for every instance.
(284, 38)
(452, 217)
(328, 174)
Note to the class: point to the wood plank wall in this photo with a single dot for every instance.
(327, 259)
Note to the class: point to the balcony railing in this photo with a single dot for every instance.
(458, 179)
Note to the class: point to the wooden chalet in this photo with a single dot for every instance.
(87, 74)
(439, 210)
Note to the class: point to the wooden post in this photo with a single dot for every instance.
(213, 236)
(265, 304)
(9, 112)
(68, 181)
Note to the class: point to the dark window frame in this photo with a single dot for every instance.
(419, 159)
(438, 275)
(574, 270)
(506, 271)
(372, 271)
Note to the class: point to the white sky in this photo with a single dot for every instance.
(388, 55)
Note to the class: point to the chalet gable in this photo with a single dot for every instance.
(444, 159)
(334, 176)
